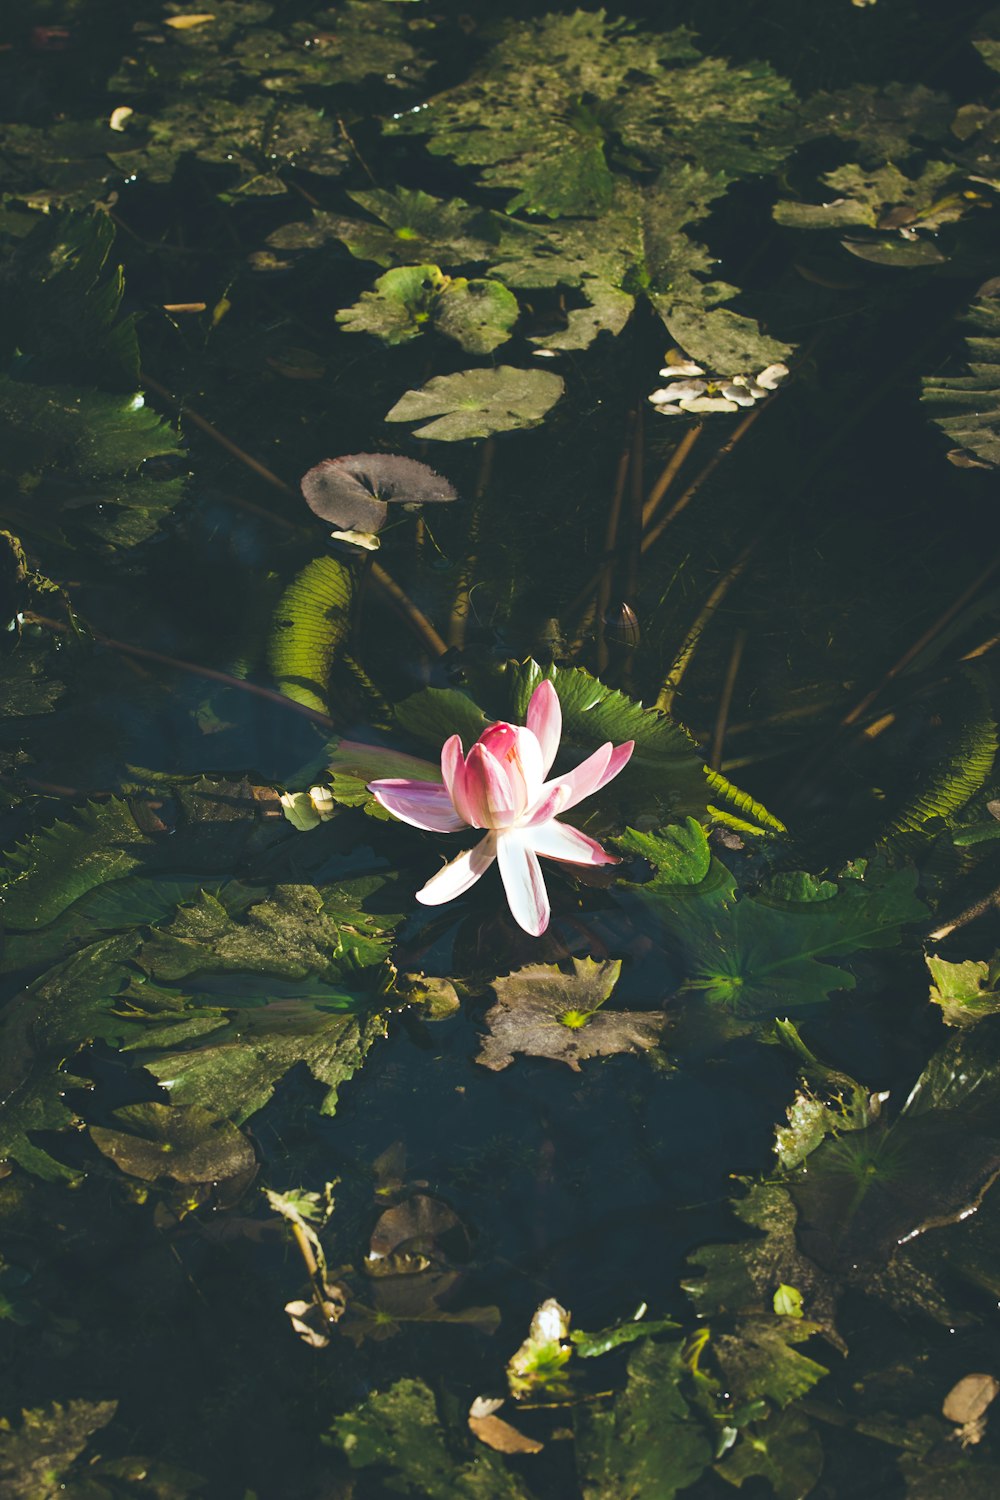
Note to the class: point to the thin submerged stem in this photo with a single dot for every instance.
(653, 535)
(673, 467)
(606, 573)
(146, 654)
(682, 661)
(384, 581)
(726, 698)
(462, 604)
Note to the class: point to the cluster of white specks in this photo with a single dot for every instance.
(691, 390)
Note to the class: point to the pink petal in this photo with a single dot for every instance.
(555, 840)
(596, 771)
(522, 881)
(544, 719)
(488, 789)
(453, 772)
(520, 754)
(553, 801)
(459, 874)
(423, 804)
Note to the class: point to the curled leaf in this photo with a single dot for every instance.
(355, 492)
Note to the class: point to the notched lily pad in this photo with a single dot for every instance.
(476, 403)
(187, 1144)
(544, 1012)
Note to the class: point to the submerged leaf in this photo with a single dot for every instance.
(186, 1145)
(35, 1457)
(477, 403)
(413, 227)
(786, 1451)
(399, 1430)
(542, 1012)
(650, 1442)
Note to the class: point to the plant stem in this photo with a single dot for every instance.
(417, 621)
(128, 649)
(611, 541)
(683, 501)
(914, 651)
(674, 677)
(726, 698)
(459, 621)
(655, 497)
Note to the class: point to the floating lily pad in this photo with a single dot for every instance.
(477, 403)
(543, 1012)
(354, 493)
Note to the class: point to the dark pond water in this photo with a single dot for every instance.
(682, 331)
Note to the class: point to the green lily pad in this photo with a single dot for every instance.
(477, 403)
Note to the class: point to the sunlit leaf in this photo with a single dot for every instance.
(412, 227)
(965, 991)
(309, 624)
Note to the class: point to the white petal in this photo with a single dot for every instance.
(422, 804)
(683, 367)
(685, 388)
(772, 377)
(544, 719)
(741, 394)
(459, 874)
(554, 840)
(664, 397)
(708, 403)
(522, 881)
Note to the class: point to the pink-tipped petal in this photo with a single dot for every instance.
(552, 802)
(453, 772)
(423, 804)
(523, 883)
(544, 719)
(554, 840)
(596, 771)
(488, 789)
(459, 874)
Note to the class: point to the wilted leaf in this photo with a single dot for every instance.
(355, 492)
(496, 1433)
(543, 1012)
(476, 403)
(970, 1397)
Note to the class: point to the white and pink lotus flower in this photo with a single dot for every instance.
(501, 786)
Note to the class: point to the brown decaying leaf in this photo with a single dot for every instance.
(419, 1217)
(969, 1398)
(543, 1012)
(498, 1434)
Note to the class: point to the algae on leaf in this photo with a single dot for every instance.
(412, 227)
(35, 1456)
(564, 103)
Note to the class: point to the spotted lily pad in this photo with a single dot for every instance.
(543, 1012)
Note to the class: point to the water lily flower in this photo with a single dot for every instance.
(501, 786)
